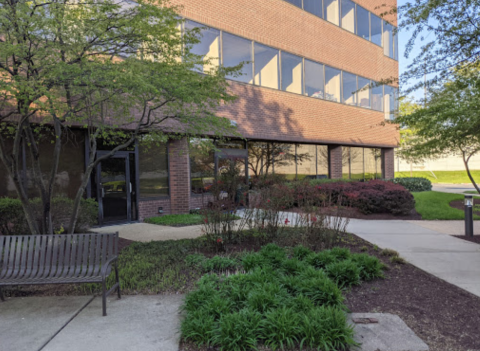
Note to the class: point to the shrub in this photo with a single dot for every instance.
(413, 184)
(281, 329)
(219, 263)
(321, 259)
(301, 252)
(198, 327)
(370, 266)
(13, 220)
(344, 273)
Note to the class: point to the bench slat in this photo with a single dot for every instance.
(5, 252)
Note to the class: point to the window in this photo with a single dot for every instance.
(314, 80)
(292, 73)
(306, 161)
(331, 11)
(322, 161)
(389, 102)
(297, 3)
(363, 92)
(377, 97)
(395, 44)
(153, 170)
(348, 15)
(372, 163)
(332, 84)
(284, 160)
(349, 88)
(376, 29)
(313, 6)
(388, 39)
(363, 23)
(235, 51)
(208, 47)
(356, 163)
(266, 66)
(260, 158)
(202, 165)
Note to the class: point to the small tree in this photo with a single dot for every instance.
(117, 68)
(450, 123)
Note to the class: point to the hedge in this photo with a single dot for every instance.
(414, 184)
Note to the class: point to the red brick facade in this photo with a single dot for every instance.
(268, 114)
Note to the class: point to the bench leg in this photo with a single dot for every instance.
(118, 282)
(1, 295)
(104, 298)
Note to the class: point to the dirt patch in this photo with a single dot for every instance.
(460, 205)
(351, 212)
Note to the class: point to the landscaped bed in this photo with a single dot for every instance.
(444, 316)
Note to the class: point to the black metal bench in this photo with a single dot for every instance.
(59, 259)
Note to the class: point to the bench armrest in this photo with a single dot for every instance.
(106, 265)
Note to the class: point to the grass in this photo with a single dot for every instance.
(433, 205)
(176, 220)
(450, 177)
(276, 299)
(474, 192)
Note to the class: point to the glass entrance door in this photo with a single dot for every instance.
(114, 189)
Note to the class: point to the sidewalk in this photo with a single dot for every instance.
(453, 188)
(451, 259)
(134, 323)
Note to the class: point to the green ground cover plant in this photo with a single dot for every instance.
(276, 298)
(179, 220)
(449, 177)
(433, 205)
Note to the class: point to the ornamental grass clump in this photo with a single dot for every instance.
(277, 301)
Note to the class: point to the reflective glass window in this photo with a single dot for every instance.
(331, 11)
(332, 84)
(297, 3)
(306, 161)
(260, 158)
(349, 88)
(363, 92)
(345, 162)
(153, 170)
(363, 23)
(370, 156)
(314, 80)
(202, 165)
(376, 29)
(395, 44)
(266, 66)
(356, 163)
(313, 6)
(388, 39)
(389, 102)
(284, 160)
(377, 97)
(208, 47)
(235, 51)
(348, 15)
(322, 161)
(292, 73)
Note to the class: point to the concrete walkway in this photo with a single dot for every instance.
(451, 259)
(143, 323)
(453, 188)
(146, 232)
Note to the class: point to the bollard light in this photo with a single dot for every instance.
(469, 215)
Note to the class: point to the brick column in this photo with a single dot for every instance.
(388, 164)
(179, 169)
(335, 161)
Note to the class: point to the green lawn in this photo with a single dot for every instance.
(433, 205)
(474, 192)
(176, 219)
(452, 177)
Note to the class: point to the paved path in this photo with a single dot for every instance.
(452, 188)
(143, 323)
(451, 259)
(149, 232)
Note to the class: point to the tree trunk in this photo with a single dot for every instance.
(465, 162)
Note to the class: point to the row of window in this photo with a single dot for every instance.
(293, 161)
(355, 19)
(272, 68)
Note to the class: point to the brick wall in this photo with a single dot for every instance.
(179, 173)
(335, 161)
(388, 170)
(149, 208)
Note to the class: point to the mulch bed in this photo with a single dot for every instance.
(460, 205)
(473, 239)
